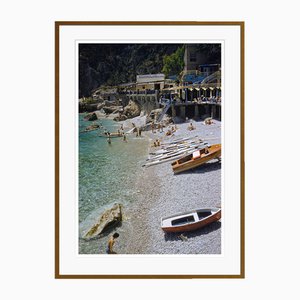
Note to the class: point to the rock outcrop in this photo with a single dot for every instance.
(91, 117)
(112, 64)
(100, 106)
(90, 107)
(120, 118)
(87, 107)
(111, 109)
(110, 217)
(92, 127)
(132, 109)
(95, 115)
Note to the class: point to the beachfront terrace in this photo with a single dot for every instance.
(194, 110)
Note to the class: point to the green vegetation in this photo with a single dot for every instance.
(173, 64)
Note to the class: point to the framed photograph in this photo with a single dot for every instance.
(149, 144)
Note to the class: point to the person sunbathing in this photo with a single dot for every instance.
(169, 132)
(191, 127)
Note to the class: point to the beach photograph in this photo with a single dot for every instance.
(149, 148)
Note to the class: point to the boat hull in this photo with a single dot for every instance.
(215, 216)
(214, 152)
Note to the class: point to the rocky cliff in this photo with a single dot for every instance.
(113, 64)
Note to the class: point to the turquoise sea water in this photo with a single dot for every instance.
(106, 172)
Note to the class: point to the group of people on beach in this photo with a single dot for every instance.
(156, 143)
(120, 133)
(159, 126)
(171, 131)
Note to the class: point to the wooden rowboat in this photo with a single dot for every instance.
(191, 220)
(196, 158)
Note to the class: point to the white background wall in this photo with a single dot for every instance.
(27, 149)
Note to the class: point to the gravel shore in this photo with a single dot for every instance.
(161, 193)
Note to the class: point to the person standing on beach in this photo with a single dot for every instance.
(109, 139)
(161, 128)
(152, 127)
(111, 243)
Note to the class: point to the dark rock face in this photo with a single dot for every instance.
(90, 107)
(110, 217)
(86, 107)
(112, 64)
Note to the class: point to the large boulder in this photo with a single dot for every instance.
(120, 118)
(110, 217)
(91, 117)
(100, 106)
(137, 122)
(111, 109)
(92, 127)
(87, 107)
(132, 109)
(95, 115)
(110, 103)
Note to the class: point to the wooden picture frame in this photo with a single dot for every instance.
(59, 274)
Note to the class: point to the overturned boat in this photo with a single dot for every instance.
(197, 158)
(191, 220)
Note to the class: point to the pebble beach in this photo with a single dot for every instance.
(161, 193)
